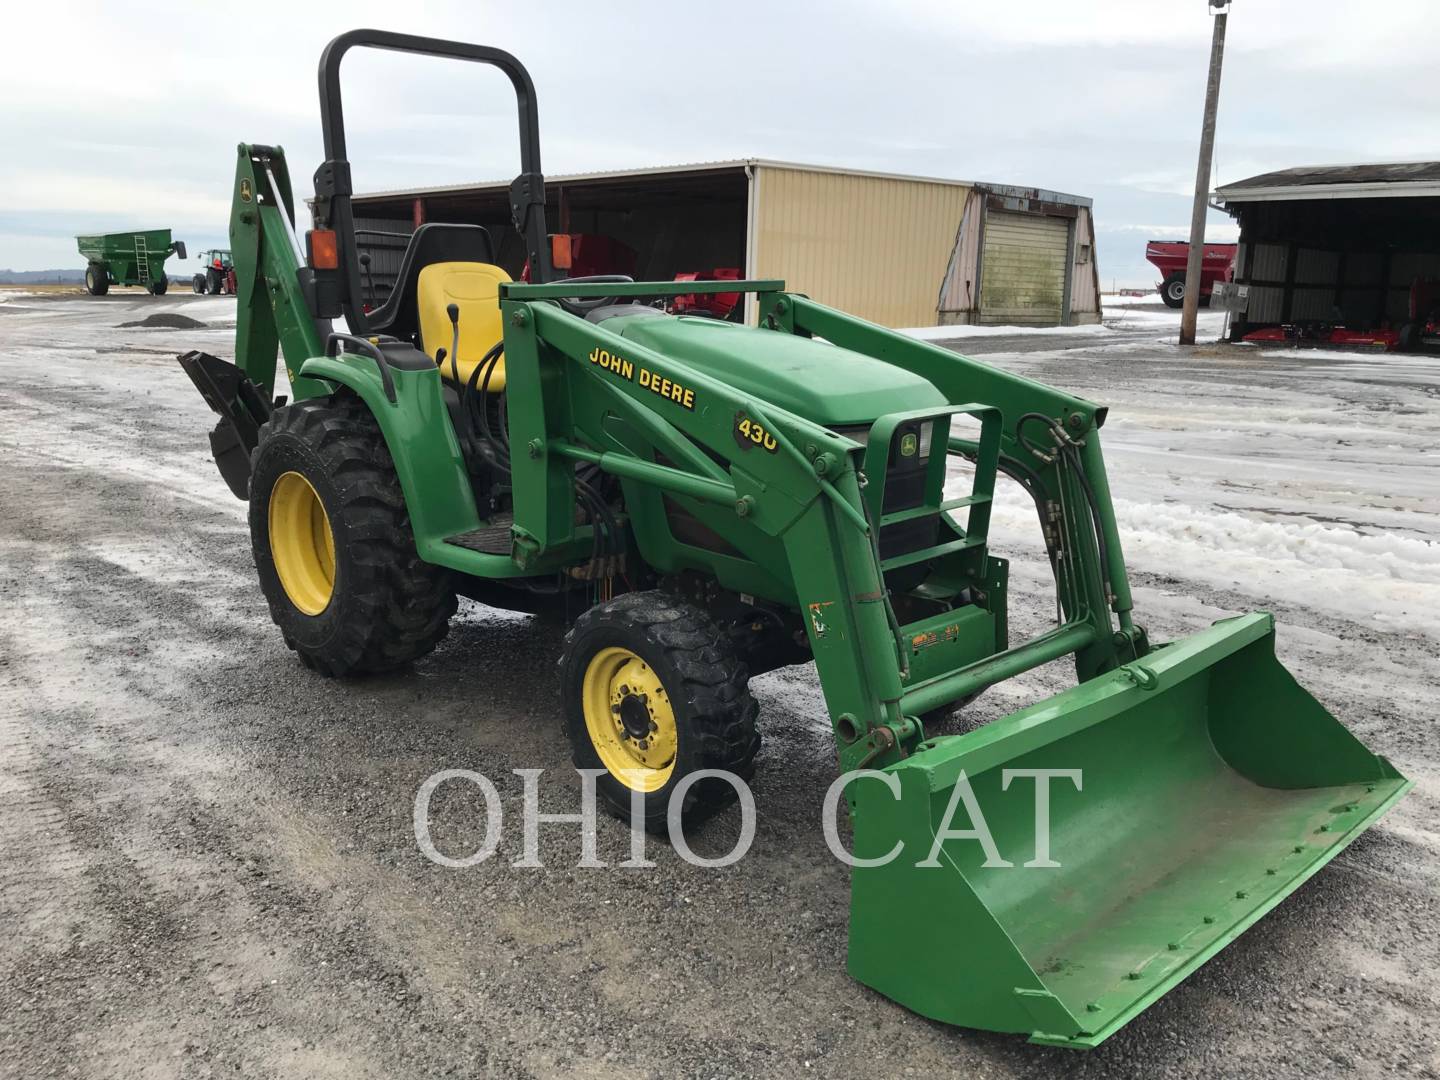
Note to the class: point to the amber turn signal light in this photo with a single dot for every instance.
(324, 251)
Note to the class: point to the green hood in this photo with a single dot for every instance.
(813, 379)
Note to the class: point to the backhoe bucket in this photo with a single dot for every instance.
(1210, 786)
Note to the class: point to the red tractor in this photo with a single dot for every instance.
(1169, 257)
(218, 276)
(594, 254)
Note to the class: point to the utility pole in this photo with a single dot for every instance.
(1188, 314)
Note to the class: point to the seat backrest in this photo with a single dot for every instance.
(429, 244)
(474, 287)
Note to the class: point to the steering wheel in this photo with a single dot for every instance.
(577, 306)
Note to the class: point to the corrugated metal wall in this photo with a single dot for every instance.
(1023, 268)
(1360, 297)
(1084, 273)
(1268, 264)
(1331, 286)
(384, 240)
(959, 296)
(1405, 267)
(1316, 279)
(872, 246)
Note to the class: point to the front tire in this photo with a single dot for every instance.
(97, 280)
(653, 692)
(1173, 291)
(333, 543)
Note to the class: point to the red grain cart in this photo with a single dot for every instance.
(1169, 257)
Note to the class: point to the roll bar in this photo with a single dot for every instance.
(332, 180)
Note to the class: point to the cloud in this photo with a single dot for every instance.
(1099, 99)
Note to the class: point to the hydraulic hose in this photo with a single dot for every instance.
(1067, 450)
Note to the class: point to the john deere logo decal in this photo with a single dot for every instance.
(245, 189)
(909, 444)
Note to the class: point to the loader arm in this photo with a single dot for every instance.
(815, 497)
(800, 490)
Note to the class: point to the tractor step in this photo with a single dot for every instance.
(494, 539)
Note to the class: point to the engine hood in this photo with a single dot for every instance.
(821, 382)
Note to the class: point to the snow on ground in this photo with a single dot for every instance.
(1150, 312)
(1391, 580)
(1297, 477)
(1120, 315)
(953, 333)
(158, 732)
(216, 311)
(1315, 354)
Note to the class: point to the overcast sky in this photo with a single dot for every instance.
(124, 115)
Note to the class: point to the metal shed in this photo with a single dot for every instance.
(898, 250)
(1022, 256)
(1344, 244)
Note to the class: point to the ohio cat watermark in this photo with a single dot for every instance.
(962, 796)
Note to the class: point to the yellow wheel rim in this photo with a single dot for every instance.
(629, 719)
(301, 543)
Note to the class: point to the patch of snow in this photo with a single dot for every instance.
(7, 295)
(952, 333)
(1395, 580)
(1317, 354)
(219, 309)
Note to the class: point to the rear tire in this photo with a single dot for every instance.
(158, 286)
(97, 280)
(382, 606)
(198, 284)
(212, 283)
(1173, 291)
(649, 659)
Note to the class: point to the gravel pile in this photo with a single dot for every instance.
(165, 320)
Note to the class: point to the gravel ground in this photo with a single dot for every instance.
(207, 865)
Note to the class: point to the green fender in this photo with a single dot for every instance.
(426, 453)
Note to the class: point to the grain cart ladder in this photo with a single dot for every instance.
(727, 499)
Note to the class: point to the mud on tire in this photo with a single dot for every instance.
(386, 607)
(707, 686)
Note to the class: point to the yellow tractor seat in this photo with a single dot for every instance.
(475, 288)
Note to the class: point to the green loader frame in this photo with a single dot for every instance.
(1190, 786)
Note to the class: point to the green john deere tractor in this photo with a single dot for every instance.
(726, 499)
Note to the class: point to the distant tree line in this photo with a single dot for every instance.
(42, 277)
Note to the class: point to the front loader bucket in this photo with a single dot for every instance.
(1211, 786)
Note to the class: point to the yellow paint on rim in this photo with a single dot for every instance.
(301, 544)
(620, 695)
